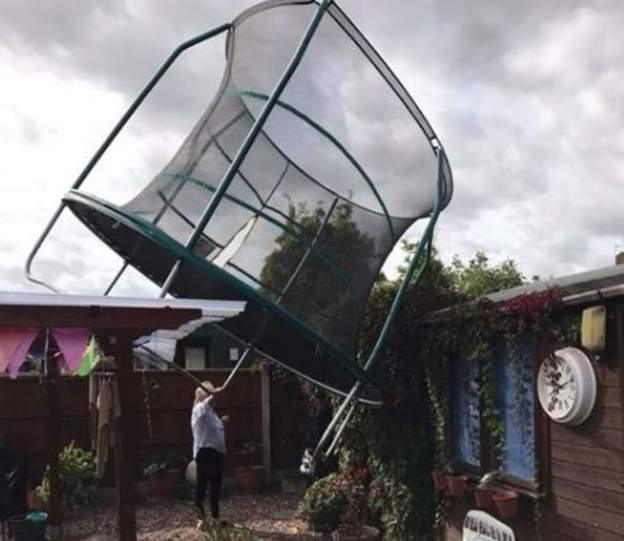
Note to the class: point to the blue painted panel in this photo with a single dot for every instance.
(516, 400)
(464, 412)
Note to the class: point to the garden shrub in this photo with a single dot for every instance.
(324, 504)
(77, 475)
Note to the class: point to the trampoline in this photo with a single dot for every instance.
(291, 190)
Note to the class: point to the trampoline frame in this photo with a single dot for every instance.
(419, 259)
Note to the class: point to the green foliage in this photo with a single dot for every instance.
(324, 504)
(326, 276)
(161, 461)
(478, 278)
(402, 442)
(77, 476)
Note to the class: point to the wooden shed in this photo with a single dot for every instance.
(570, 475)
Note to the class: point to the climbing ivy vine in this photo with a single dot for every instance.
(402, 442)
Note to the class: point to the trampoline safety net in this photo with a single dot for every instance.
(343, 165)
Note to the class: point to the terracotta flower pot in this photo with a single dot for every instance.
(163, 485)
(456, 484)
(249, 478)
(506, 502)
(439, 480)
(483, 497)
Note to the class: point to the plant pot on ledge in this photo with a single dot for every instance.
(483, 497)
(506, 502)
(456, 484)
(439, 480)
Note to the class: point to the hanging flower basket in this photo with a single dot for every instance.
(483, 497)
(439, 480)
(456, 484)
(506, 502)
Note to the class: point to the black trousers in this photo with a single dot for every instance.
(209, 470)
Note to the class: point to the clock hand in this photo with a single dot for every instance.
(562, 385)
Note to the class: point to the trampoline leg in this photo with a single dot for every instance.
(341, 428)
(308, 461)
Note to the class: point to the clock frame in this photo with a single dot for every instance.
(566, 386)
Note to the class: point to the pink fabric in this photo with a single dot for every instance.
(72, 342)
(14, 346)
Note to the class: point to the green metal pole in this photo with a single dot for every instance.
(424, 249)
(111, 137)
(249, 139)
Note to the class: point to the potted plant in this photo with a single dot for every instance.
(77, 477)
(354, 485)
(456, 484)
(439, 479)
(162, 470)
(483, 496)
(506, 502)
(249, 471)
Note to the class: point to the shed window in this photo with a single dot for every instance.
(514, 376)
(471, 446)
(465, 422)
(195, 358)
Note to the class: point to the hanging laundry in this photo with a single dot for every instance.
(94, 391)
(89, 359)
(72, 341)
(14, 346)
(109, 411)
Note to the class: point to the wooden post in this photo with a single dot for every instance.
(125, 449)
(55, 504)
(265, 388)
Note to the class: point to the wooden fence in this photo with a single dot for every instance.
(162, 400)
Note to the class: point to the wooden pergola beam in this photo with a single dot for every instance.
(125, 452)
(97, 318)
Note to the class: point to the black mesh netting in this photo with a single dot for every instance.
(343, 165)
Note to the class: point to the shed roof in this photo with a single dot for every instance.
(45, 309)
(575, 288)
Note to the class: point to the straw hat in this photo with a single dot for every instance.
(200, 392)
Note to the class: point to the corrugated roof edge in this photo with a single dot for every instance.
(217, 308)
(576, 289)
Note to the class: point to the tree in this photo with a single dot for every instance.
(327, 290)
(478, 278)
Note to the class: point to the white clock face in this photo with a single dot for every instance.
(560, 387)
(566, 386)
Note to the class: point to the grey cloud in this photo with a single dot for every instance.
(521, 129)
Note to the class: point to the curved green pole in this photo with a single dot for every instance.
(328, 135)
(111, 137)
(423, 252)
(249, 140)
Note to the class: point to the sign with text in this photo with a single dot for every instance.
(479, 526)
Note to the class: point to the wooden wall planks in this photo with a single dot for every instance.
(586, 498)
(23, 410)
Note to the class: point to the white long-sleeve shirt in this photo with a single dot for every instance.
(207, 428)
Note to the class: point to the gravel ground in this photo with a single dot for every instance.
(266, 516)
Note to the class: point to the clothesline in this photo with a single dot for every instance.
(78, 348)
(15, 343)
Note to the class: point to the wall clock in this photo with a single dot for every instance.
(566, 386)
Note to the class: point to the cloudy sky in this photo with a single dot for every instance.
(527, 97)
